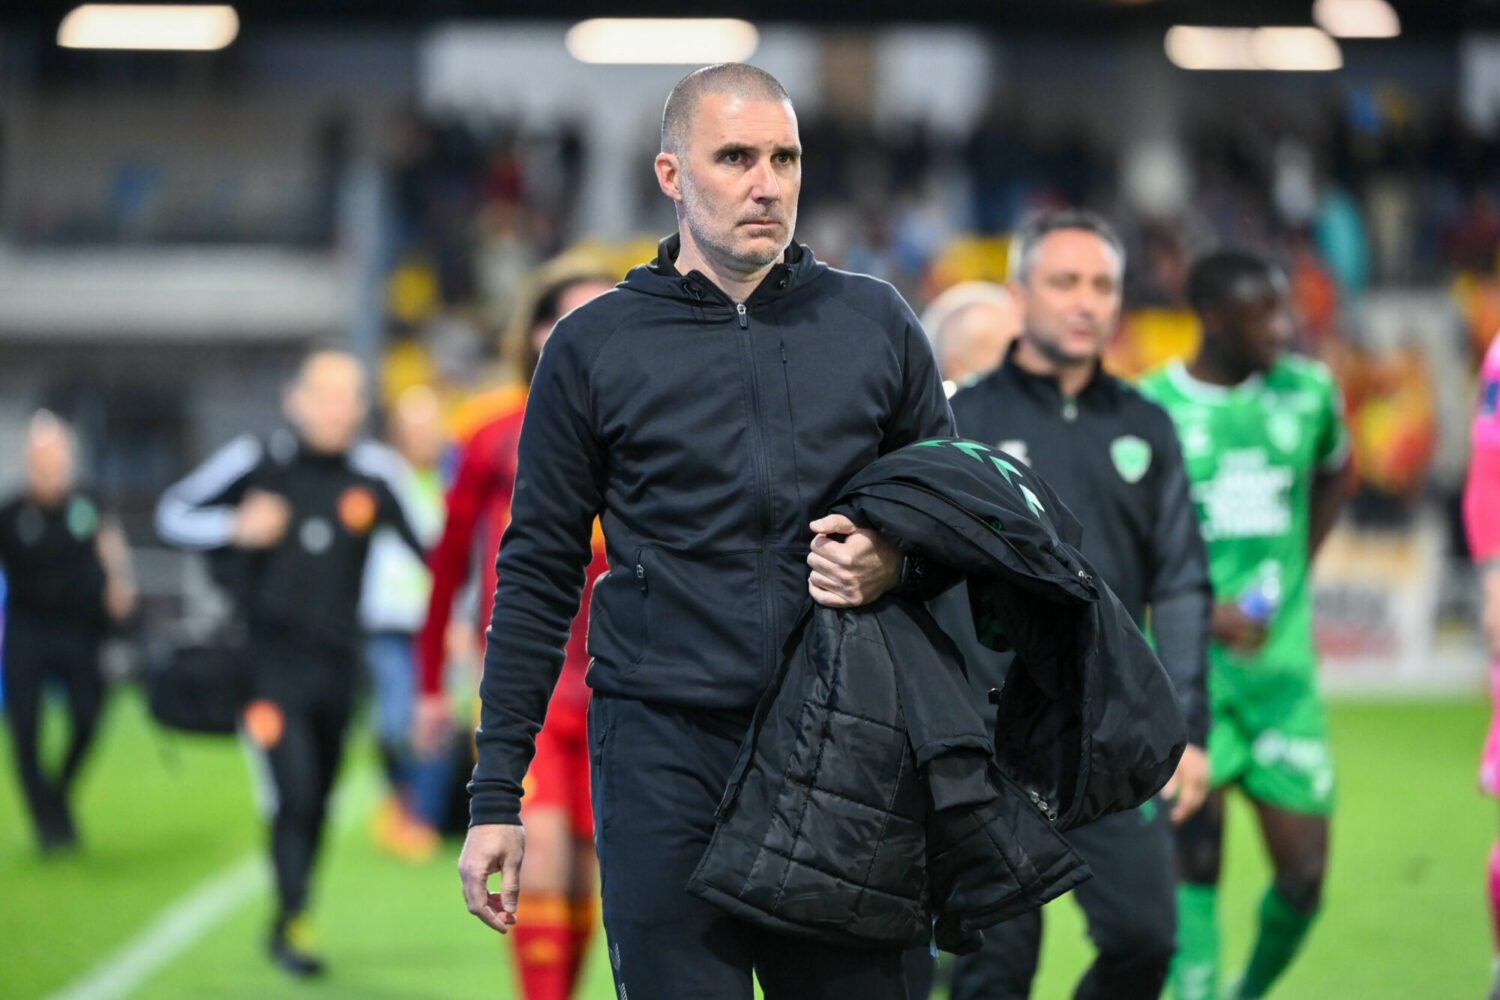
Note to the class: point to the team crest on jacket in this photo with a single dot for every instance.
(1132, 457)
(357, 509)
(83, 518)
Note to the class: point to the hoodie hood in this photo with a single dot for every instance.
(661, 278)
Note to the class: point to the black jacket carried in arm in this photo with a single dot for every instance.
(868, 798)
(305, 587)
(1113, 457)
(706, 435)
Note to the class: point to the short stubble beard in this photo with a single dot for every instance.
(722, 251)
(1053, 352)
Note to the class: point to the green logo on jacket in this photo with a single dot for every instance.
(981, 452)
(82, 518)
(1132, 457)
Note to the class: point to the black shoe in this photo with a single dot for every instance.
(56, 833)
(55, 842)
(291, 947)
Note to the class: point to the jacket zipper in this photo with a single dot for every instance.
(769, 640)
(1046, 808)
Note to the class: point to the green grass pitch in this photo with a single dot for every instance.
(1404, 915)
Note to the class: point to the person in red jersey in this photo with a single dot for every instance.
(560, 860)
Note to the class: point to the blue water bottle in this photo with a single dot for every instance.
(1260, 600)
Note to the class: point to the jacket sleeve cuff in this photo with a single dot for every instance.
(487, 806)
(494, 802)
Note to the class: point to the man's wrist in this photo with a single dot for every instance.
(921, 579)
(913, 570)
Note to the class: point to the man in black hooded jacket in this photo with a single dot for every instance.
(708, 410)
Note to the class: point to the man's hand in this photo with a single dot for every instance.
(1188, 786)
(491, 848)
(260, 520)
(432, 722)
(852, 572)
(1237, 630)
(1490, 617)
(119, 574)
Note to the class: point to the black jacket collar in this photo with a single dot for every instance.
(661, 277)
(1098, 391)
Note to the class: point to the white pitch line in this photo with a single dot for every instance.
(186, 921)
(170, 934)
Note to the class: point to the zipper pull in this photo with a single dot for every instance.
(1043, 805)
(640, 575)
(739, 307)
(783, 353)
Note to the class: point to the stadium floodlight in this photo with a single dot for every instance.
(1357, 18)
(1298, 49)
(202, 28)
(662, 40)
(1288, 49)
(1195, 47)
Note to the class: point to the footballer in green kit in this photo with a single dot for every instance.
(1267, 454)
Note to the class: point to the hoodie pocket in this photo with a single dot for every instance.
(619, 614)
(704, 620)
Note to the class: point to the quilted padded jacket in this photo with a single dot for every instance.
(869, 805)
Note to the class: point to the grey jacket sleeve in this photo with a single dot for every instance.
(1179, 594)
(198, 512)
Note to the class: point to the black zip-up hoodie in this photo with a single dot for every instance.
(707, 435)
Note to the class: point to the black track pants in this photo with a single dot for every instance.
(304, 697)
(1131, 910)
(35, 654)
(657, 775)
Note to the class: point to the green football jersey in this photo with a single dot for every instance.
(1252, 452)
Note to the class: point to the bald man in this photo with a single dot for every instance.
(707, 410)
(68, 575)
(289, 518)
(971, 326)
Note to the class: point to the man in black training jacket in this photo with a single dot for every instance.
(1112, 456)
(708, 409)
(67, 572)
(289, 518)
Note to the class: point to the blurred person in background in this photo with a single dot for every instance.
(1114, 460)
(393, 603)
(558, 871)
(970, 326)
(297, 509)
(1267, 453)
(68, 573)
(1482, 519)
(707, 409)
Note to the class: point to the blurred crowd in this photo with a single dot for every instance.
(485, 245)
(1378, 190)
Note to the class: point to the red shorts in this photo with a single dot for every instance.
(559, 773)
